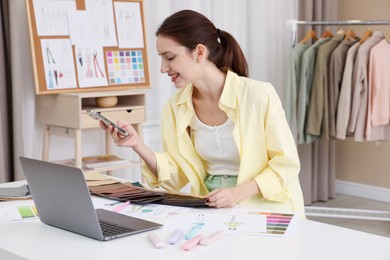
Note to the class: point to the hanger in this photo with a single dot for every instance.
(310, 35)
(350, 34)
(327, 33)
(388, 38)
(340, 31)
(365, 36)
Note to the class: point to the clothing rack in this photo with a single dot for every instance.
(294, 24)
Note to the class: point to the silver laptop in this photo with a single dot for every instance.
(62, 198)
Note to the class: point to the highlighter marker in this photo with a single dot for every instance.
(175, 236)
(191, 243)
(193, 231)
(212, 238)
(156, 241)
(120, 207)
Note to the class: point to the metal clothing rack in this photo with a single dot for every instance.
(295, 23)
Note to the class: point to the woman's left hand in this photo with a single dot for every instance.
(230, 197)
(222, 198)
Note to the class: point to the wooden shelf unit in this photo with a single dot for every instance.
(66, 115)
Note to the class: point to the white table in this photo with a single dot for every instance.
(310, 240)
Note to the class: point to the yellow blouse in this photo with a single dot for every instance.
(267, 150)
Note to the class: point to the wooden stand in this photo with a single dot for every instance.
(66, 115)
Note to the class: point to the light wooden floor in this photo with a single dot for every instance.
(381, 228)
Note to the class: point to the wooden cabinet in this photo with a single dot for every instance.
(66, 115)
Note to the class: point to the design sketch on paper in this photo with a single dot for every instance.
(232, 223)
(90, 66)
(129, 25)
(52, 16)
(83, 28)
(101, 21)
(58, 64)
(125, 67)
(164, 211)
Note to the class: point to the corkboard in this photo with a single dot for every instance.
(62, 66)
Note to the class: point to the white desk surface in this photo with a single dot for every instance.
(310, 240)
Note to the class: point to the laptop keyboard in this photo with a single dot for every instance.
(110, 229)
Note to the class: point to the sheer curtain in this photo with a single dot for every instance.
(318, 159)
(5, 101)
(18, 127)
(259, 27)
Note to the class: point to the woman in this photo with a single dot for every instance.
(222, 132)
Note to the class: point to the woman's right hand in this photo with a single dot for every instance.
(132, 140)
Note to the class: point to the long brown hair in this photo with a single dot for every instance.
(190, 28)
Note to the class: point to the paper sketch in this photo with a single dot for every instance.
(101, 21)
(233, 223)
(78, 27)
(58, 63)
(51, 16)
(155, 210)
(90, 65)
(129, 25)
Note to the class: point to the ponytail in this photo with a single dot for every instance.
(233, 57)
(190, 28)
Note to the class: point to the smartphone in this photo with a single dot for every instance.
(97, 116)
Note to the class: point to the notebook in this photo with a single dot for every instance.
(62, 198)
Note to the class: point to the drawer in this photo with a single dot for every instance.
(133, 116)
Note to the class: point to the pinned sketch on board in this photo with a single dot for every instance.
(52, 16)
(102, 24)
(95, 24)
(79, 31)
(129, 25)
(90, 65)
(58, 63)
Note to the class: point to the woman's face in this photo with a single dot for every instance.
(176, 61)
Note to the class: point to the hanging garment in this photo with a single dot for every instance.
(380, 83)
(378, 115)
(318, 118)
(304, 90)
(336, 68)
(358, 118)
(344, 103)
(293, 74)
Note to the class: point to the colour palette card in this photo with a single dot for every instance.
(12, 212)
(125, 67)
(277, 223)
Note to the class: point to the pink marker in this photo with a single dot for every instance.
(120, 207)
(212, 238)
(156, 241)
(192, 242)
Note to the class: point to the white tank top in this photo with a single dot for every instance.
(216, 147)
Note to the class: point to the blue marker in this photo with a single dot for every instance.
(193, 231)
